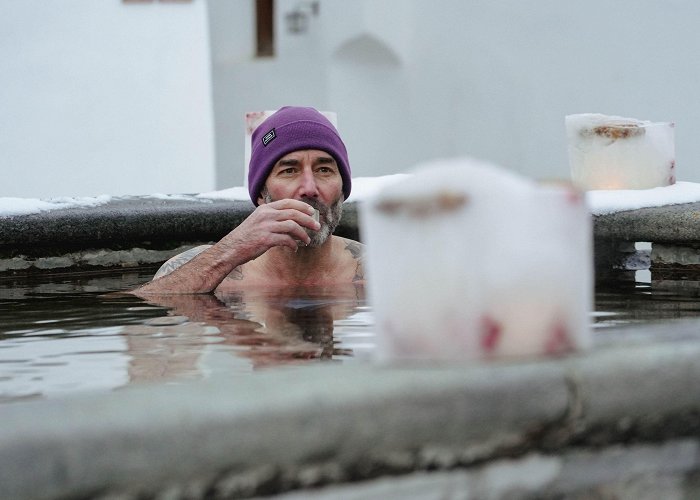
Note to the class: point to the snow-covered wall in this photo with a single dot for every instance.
(105, 97)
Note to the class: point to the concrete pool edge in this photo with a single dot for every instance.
(124, 232)
(287, 429)
(134, 231)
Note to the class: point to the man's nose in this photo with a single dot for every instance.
(308, 185)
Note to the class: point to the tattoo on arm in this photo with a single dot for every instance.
(359, 272)
(236, 274)
(179, 260)
(357, 251)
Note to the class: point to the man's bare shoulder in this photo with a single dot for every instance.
(353, 254)
(179, 260)
(355, 248)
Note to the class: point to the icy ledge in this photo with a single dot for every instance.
(609, 201)
(362, 187)
(600, 202)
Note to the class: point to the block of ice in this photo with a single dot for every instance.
(612, 152)
(466, 260)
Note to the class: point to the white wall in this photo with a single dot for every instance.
(506, 73)
(413, 80)
(242, 82)
(104, 97)
(113, 97)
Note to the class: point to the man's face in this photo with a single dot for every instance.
(311, 176)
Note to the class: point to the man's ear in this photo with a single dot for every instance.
(261, 200)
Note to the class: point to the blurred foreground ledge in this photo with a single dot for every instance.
(134, 231)
(620, 422)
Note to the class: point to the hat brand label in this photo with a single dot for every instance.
(269, 137)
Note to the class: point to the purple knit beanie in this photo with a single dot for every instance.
(293, 129)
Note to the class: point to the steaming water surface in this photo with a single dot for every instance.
(65, 334)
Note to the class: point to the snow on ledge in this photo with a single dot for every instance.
(603, 202)
(600, 202)
(26, 206)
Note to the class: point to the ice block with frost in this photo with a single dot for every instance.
(466, 260)
(612, 152)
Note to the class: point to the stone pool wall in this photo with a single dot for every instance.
(672, 230)
(622, 421)
(125, 232)
(133, 231)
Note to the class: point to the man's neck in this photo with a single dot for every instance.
(306, 264)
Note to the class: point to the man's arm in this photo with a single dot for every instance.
(202, 269)
(182, 258)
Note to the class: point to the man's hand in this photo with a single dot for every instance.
(279, 223)
(201, 270)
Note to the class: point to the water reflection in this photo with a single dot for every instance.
(62, 334)
(66, 334)
(634, 298)
(268, 327)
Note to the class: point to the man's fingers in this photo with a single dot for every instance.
(296, 231)
(300, 218)
(284, 221)
(298, 211)
(292, 241)
(289, 203)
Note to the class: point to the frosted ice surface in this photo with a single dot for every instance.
(467, 260)
(613, 152)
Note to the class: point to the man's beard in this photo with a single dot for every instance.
(328, 216)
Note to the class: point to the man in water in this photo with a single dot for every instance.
(299, 170)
